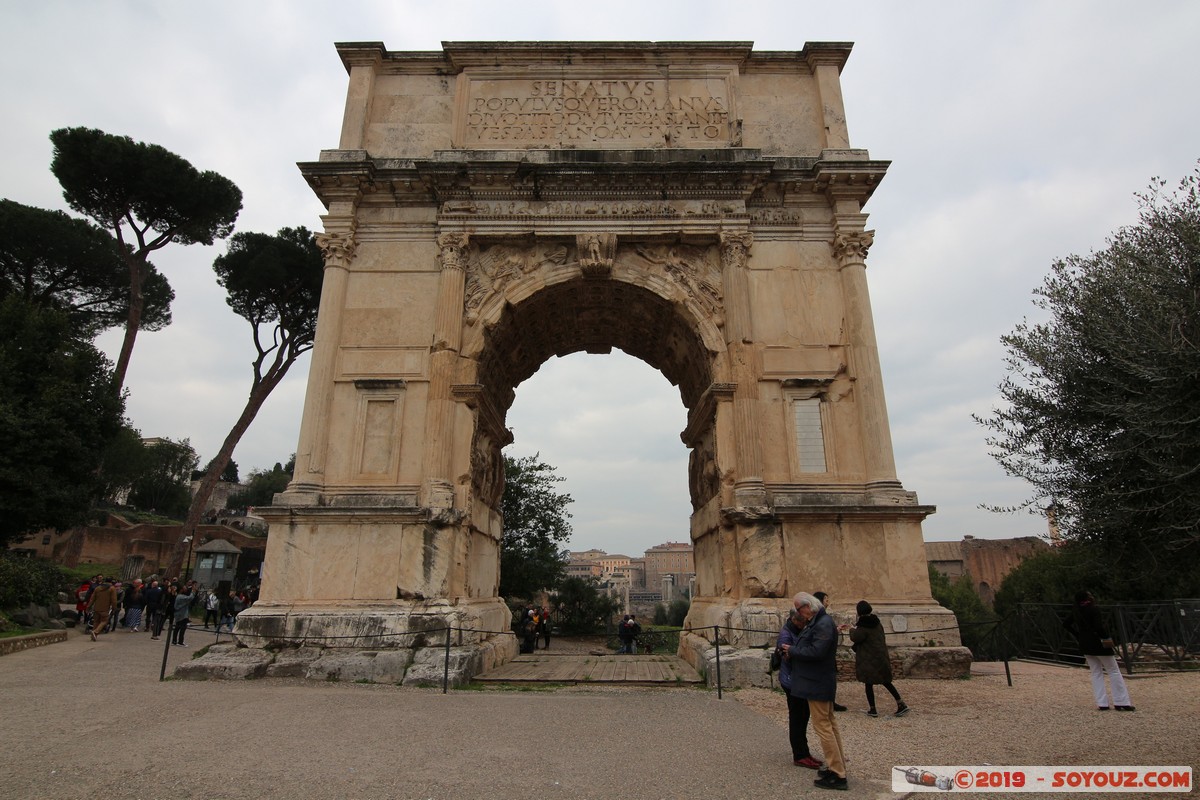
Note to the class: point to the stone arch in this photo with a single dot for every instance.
(463, 250)
(559, 311)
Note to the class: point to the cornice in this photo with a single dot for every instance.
(669, 174)
(456, 57)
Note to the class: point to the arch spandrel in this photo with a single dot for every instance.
(654, 304)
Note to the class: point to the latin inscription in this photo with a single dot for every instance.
(631, 113)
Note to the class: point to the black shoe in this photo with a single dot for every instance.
(838, 707)
(870, 712)
(1102, 708)
(831, 781)
(1125, 708)
(901, 710)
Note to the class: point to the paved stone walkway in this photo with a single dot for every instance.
(90, 719)
(552, 667)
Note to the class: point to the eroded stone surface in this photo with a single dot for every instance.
(225, 662)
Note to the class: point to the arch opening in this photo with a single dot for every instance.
(595, 317)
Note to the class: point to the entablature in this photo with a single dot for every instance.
(660, 181)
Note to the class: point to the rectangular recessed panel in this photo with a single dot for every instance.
(810, 440)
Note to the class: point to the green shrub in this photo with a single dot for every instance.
(28, 580)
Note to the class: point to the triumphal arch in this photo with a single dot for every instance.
(697, 205)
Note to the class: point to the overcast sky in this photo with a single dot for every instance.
(1018, 133)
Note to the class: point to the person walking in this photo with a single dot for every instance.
(153, 597)
(813, 659)
(135, 605)
(871, 662)
(797, 706)
(101, 604)
(1086, 625)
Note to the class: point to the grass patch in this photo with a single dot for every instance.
(19, 632)
(202, 651)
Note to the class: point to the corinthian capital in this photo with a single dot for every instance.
(735, 248)
(338, 248)
(453, 248)
(851, 247)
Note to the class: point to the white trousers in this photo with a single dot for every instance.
(1101, 665)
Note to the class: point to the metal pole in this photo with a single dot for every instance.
(717, 642)
(1124, 634)
(446, 670)
(166, 648)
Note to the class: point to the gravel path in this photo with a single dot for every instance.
(91, 719)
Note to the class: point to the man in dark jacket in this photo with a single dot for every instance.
(813, 661)
(1096, 643)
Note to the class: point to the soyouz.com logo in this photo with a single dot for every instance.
(1042, 778)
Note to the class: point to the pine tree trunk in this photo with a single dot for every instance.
(258, 395)
(137, 301)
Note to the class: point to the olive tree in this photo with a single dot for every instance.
(1102, 401)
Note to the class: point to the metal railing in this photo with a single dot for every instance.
(1150, 636)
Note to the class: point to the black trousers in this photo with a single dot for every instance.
(798, 727)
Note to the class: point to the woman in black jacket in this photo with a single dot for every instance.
(871, 662)
(1097, 646)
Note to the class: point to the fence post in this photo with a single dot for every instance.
(1121, 628)
(717, 642)
(446, 668)
(166, 648)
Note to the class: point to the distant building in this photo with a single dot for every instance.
(615, 563)
(987, 561)
(643, 576)
(582, 568)
(676, 559)
(140, 549)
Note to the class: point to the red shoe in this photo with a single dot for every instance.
(808, 761)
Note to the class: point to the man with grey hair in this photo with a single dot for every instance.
(813, 659)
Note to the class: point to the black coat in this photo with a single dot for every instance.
(1087, 626)
(813, 659)
(871, 662)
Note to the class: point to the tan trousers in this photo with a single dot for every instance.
(99, 620)
(824, 724)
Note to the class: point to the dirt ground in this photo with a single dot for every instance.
(84, 719)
